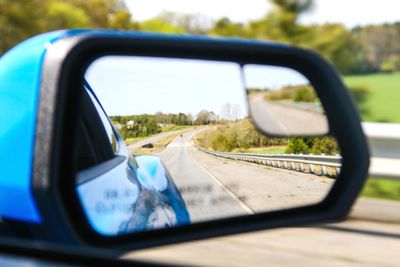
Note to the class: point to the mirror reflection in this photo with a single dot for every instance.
(283, 102)
(163, 142)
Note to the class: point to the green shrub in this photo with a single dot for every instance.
(298, 93)
(305, 94)
(314, 145)
(325, 145)
(240, 135)
(297, 145)
(223, 142)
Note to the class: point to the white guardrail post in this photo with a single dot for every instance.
(384, 143)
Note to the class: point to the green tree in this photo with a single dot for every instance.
(325, 145)
(189, 23)
(305, 94)
(287, 16)
(204, 117)
(21, 19)
(224, 27)
(223, 142)
(316, 145)
(380, 45)
(15, 24)
(159, 25)
(122, 20)
(99, 12)
(66, 15)
(282, 23)
(337, 44)
(297, 145)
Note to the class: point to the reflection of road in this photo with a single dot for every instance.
(153, 139)
(204, 195)
(286, 120)
(214, 187)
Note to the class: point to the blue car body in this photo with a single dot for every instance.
(153, 199)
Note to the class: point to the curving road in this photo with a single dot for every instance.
(153, 139)
(213, 187)
(286, 120)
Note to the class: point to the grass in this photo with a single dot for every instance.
(175, 128)
(382, 101)
(381, 105)
(273, 150)
(382, 189)
(130, 141)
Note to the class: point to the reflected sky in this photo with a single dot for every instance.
(271, 77)
(128, 85)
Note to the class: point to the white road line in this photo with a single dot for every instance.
(244, 206)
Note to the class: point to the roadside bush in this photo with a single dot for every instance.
(305, 94)
(297, 145)
(312, 145)
(240, 135)
(223, 142)
(325, 145)
(299, 93)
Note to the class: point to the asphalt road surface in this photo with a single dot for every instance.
(205, 197)
(285, 120)
(215, 188)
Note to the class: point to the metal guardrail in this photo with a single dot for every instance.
(313, 107)
(384, 143)
(317, 164)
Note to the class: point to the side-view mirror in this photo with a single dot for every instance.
(138, 140)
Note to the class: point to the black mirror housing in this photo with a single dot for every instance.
(64, 66)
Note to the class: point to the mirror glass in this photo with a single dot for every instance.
(283, 102)
(163, 142)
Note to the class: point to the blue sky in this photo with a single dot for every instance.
(271, 77)
(137, 85)
(367, 11)
(127, 85)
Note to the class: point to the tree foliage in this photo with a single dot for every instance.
(158, 25)
(223, 142)
(361, 50)
(380, 45)
(297, 93)
(21, 19)
(205, 117)
(240, 135)
(364, 49)
(136, 125)
(312, 145)
(177, 119)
